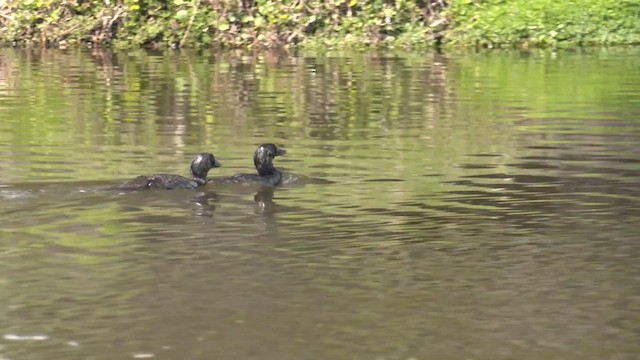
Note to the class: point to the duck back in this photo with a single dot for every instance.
(159, 181)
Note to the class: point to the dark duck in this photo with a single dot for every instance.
(267, 173)
(200, 166)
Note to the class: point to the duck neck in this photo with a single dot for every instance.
(199, 176)
(265, 166)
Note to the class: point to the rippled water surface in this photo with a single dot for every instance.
(442, 206)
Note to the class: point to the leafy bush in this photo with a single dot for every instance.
(232, 23)
(323, 23)
(495, 23)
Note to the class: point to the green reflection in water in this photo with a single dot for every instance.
(101, 116)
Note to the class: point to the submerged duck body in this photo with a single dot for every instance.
(200, 166)
(263, 161)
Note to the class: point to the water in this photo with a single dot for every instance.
(481, 206)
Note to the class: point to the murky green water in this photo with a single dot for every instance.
(484, 206)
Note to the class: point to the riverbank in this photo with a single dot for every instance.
(320, 24)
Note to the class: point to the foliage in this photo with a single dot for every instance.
(495, 23)
(319, 23)
(245, 23)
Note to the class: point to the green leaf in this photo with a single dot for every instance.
(224, 26)
(259, 21)
(182, 14)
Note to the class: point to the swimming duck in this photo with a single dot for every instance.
(200, 166)
(263, 160)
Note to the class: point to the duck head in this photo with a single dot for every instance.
(201, 165)
(263, 158)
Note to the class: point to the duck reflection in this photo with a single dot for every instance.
(203, 203)
(264, 200)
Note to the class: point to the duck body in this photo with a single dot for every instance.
(274, 179)
(263, 161)
(200, 166)
(160, 181)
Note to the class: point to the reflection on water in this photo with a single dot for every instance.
(440, 206)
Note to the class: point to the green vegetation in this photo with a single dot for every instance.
(542, 23)
(245, 23)
(319, 23)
